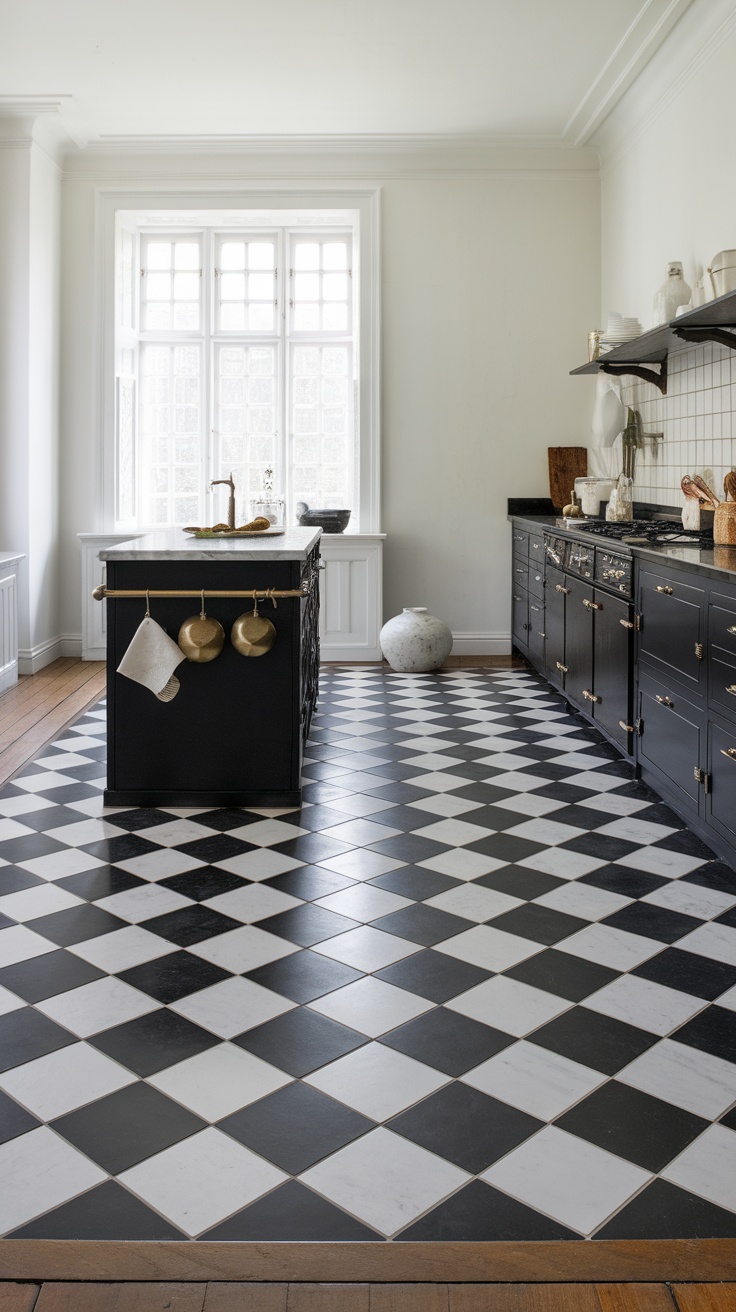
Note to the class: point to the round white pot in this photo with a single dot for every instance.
(415, 641)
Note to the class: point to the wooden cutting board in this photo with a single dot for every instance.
(566, 463)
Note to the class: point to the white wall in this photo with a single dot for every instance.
(490, 275)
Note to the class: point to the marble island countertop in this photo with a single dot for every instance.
(175, 544)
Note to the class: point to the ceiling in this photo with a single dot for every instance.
(502, 69)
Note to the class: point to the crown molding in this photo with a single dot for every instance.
(636, 48)
(54, 122)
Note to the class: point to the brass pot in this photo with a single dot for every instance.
(251, 634)
(201, 638)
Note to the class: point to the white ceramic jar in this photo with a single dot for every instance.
(415, 642)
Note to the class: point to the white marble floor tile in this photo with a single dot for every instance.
(453, 832)
(645, 1004)
(10, 829)
(542, 830)
(684, 1076)
(364, 902)
(201, 1180)
(9, 1002)
(711, 940)
(385, 1180)
(174, 833)
(728, 999)
(264, 833)
(97, 1006)
(583, 900)
(489, 948)
(85, 831)
(143, 902)
(614, 804)
(458, 863)
(509, 1005)
(359, 805)
(707, 1167)
(636, 831)
(377, 1081)
(592, 779)
(567, 1178)
(162, 864)
(446, 804)
(42, 781)
(40, 1171)
(361, 865)
(241, 950)
(535, 1080)
(19, 944)
(531, 804)
(691, 899)
(371, 1006)
(366, 948)
(252, 902)
(23, 804)
(41, 900)
(611, 947)
(436, 782)
(261, 864)
(63, 1080)
(232, 1006)
(658, 861)
(563, 863)
(57, 865)
(123, 948)
(219, 1081)
(474, 902)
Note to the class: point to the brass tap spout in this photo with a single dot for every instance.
(231, 501)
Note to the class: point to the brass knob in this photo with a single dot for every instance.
(731, 687)
(590, 696)
(666, 590)
(663, 701)
(730, 752)
(626, 624)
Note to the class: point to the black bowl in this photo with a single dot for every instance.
(330, 521)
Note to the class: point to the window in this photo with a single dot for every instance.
(236, 350)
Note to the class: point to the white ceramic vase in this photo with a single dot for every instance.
(415, 642)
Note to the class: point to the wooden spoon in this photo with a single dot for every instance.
(706, 491)
(729, 485)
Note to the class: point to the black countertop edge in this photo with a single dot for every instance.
(712, 562)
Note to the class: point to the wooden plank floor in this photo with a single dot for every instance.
(40, 706)
(229, 1297)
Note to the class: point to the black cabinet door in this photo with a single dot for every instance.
(612, 642)
(537, 633)
(673, 626)
(555, 594)
(722, 622)
(519, 616)
(672, 737)
(579, 642)
(721, 800)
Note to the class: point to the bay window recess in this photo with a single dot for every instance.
(236, 350)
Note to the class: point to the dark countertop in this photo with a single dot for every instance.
(713, 562)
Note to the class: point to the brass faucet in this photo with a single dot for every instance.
(231, 500)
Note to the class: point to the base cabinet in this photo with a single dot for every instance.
(721, 796)
(671, 737)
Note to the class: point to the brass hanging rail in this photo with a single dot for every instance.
(253, 594)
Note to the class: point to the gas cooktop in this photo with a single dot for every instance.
(647, 532)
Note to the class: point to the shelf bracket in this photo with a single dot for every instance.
(639, 371)
(723, 336)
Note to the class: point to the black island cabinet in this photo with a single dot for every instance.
(233, 734)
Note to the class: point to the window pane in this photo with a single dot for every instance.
(335, 255)
(334, 318)
(261, 255)
(186, 255)
(232, 255)
(306, 318)
(335, 286)
(170, 424)
(245, 421)
(306, 255)
(306, 286)
(260, 286)
(158, 287)
(232, 286)
(322, 457)
(158, 255)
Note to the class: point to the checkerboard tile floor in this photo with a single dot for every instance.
(481, 986)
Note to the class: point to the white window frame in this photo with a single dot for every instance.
(365, 264)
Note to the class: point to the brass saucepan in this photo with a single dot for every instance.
(201, 638)
(251, 634)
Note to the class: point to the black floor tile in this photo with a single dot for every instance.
(716, 875)
(307, 925)
(421, 924)
(107, 1212)
(483, 793)
(6, 922)
(140, 817)
(465, 1127)
(563, 974)
(49, 817)
(729, 1120)
(191, 925)
(408, 847)
(633, 1125)
(123, 847)
(447, 1041)
(102, 882)
(689, 973)
(728, 918)
(518, 881)
(433, 975)
(505, 847)
(300, 1041)
(215, 847)
(687, 842)
(481, 1214)
(128, 1126)
(151, 1043)
(594, 1040)
(309, 883)
(541, 924)
(28, 847)
(77, 924)
(203, 883)
(304, 976)
(713, 1031)
(296, 1127)
(14, 880)
(662, 1211)
(415, 883)
(404, 818)
(398, 792)
(174, 976)
(26, 1034)
(43, 977)
(310, 848)
(294, 1213)
(581, 817)
(225, 818)
(623, 880)
(14, 1119)
(652, 921)
(602, 846)
(558, 791)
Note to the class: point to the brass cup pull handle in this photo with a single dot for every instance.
(730, 752)
(562, 668)
(628, 727)
(626, 624)
(731, 687)
(664, 588)
(663, 701)
(590, 696)
(559, 588)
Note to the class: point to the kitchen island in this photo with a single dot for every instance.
(233, 734)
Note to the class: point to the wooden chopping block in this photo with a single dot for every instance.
(566, 463)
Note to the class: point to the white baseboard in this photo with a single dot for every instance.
(481, 644)
(71, 644)
(33, 659)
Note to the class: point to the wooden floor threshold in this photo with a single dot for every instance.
(584, 1261)
(39, 708)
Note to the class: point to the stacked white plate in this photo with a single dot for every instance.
(621, 329)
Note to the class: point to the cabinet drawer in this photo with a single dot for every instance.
(722, 771)
(672, 627)
(672, 736)
(520, 616)
(520, 542)
(722, 687)
(519, 574)
(722, 623)
(536, 550)
(536, 580)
